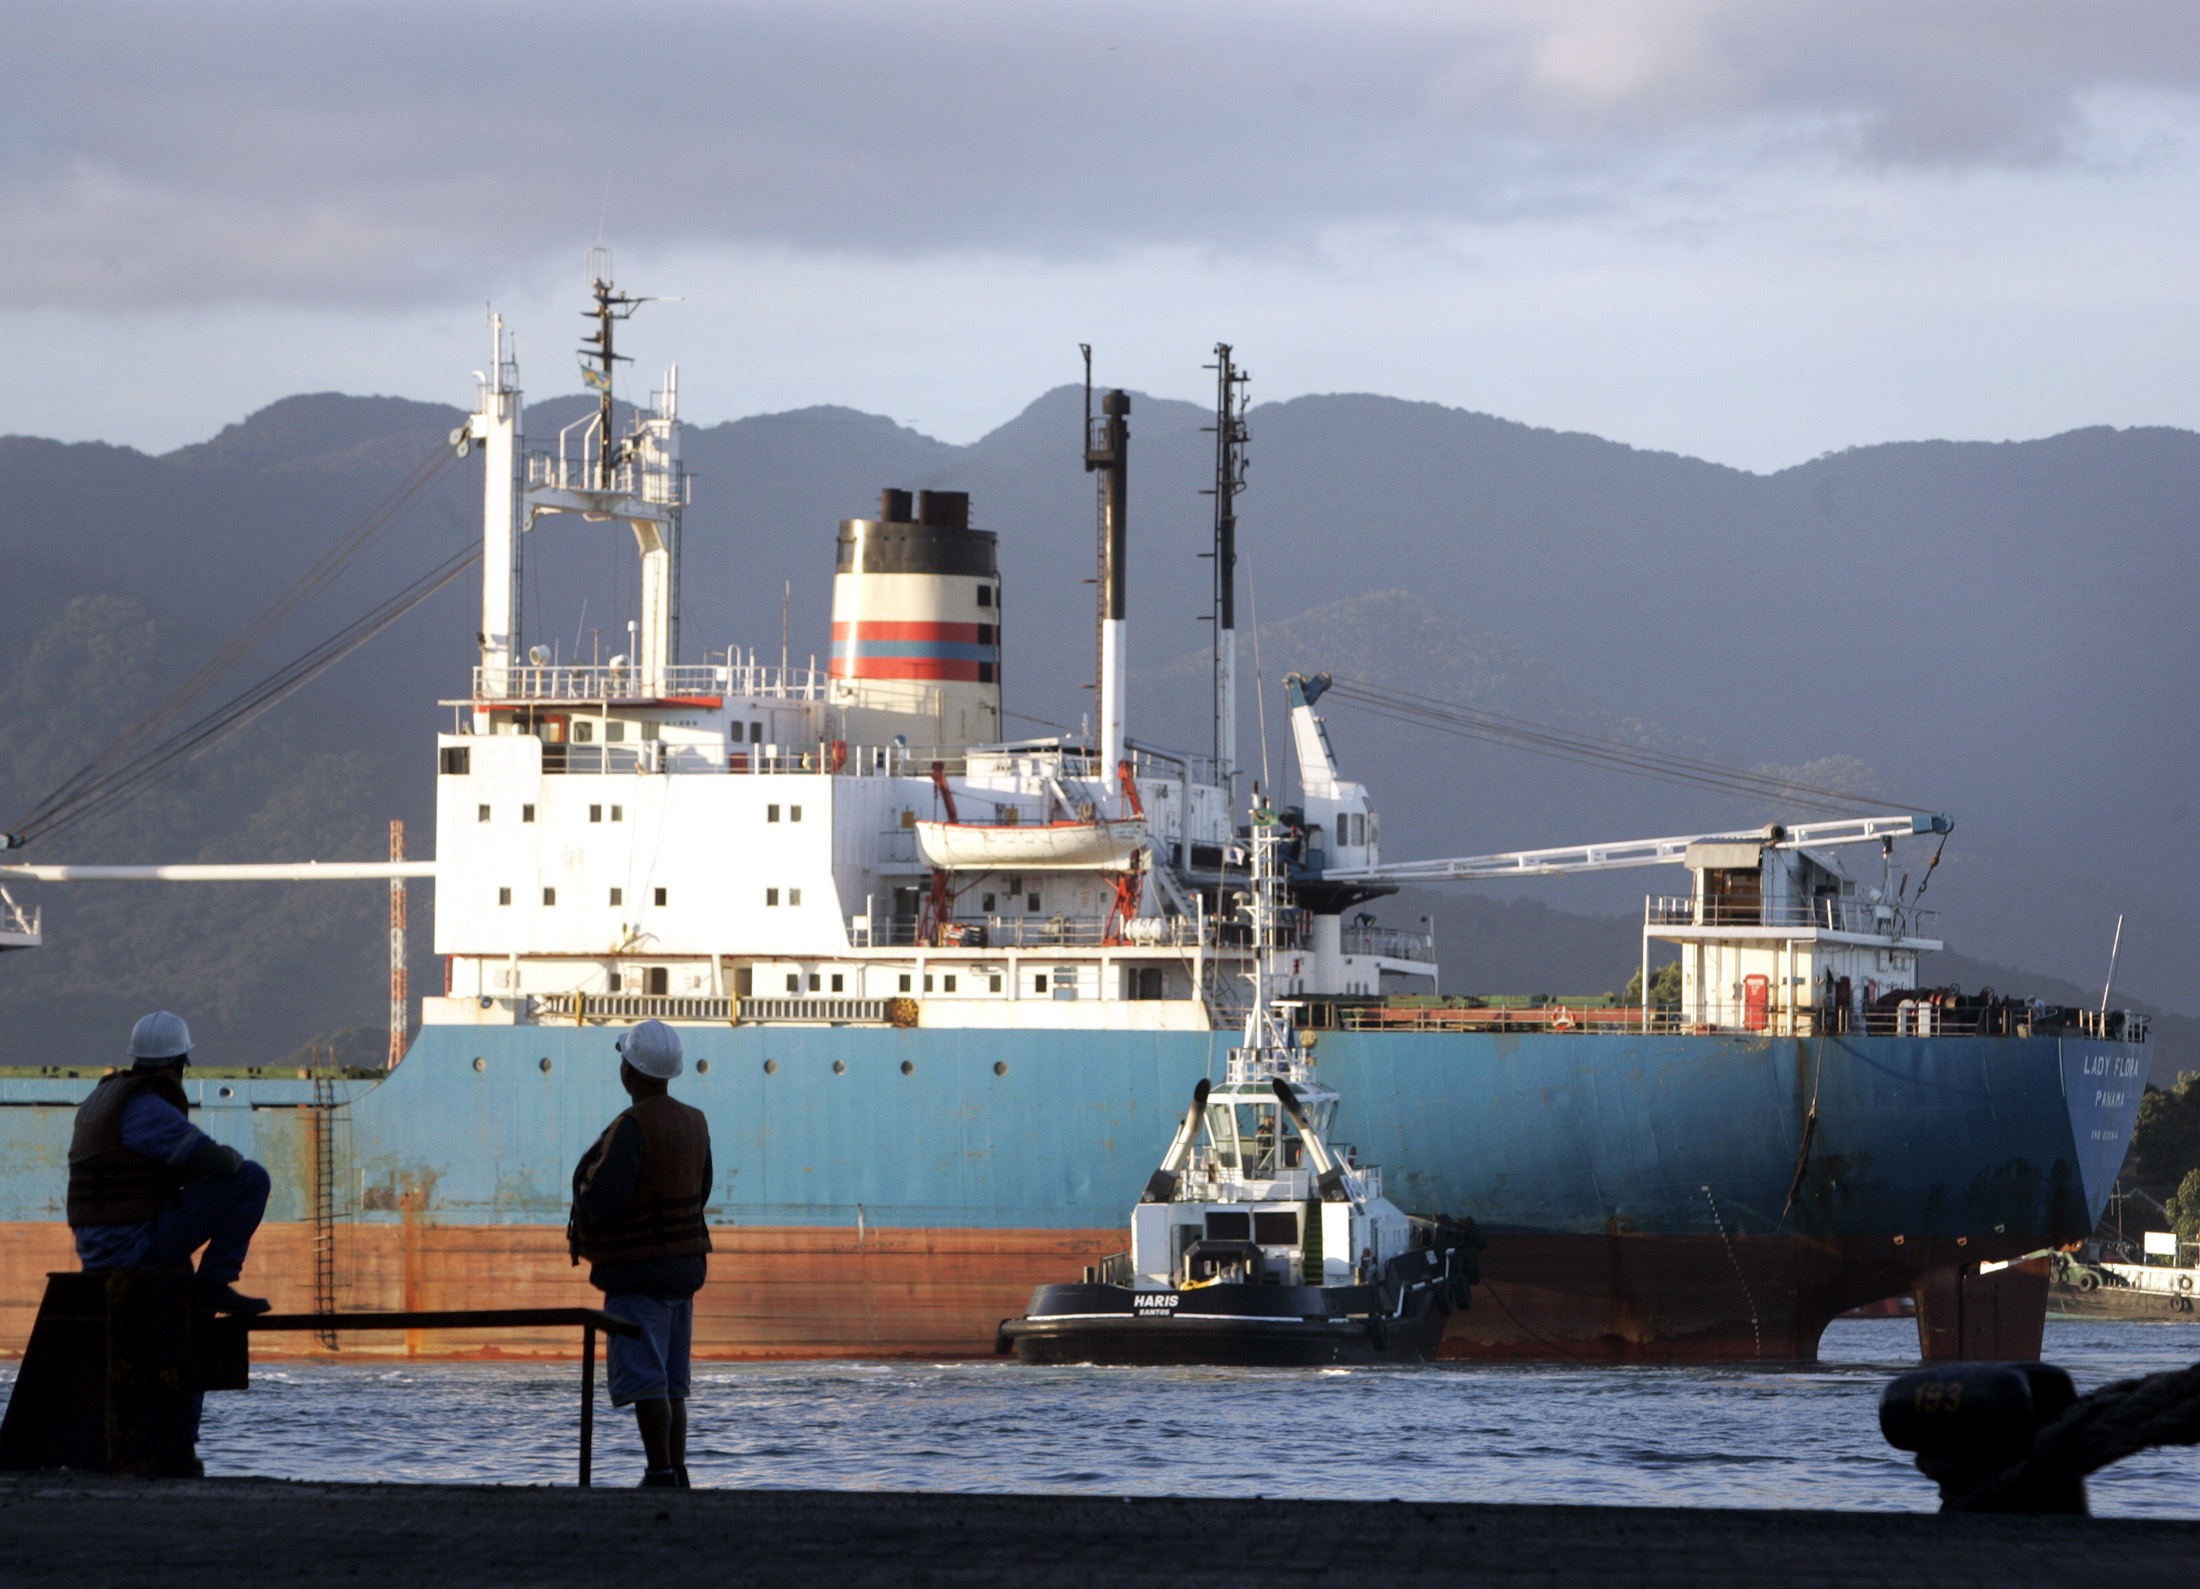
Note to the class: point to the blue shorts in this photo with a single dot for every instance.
(651, 1366)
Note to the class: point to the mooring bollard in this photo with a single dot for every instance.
(118, 1361)
(2017, 1437)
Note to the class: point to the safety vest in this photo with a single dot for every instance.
(664, 1216)
(109, 1183)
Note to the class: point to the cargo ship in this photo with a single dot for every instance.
(943, 992)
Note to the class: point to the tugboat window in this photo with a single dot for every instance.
(794, 983)
(484, 816)
(1229, 1225)
(618, 896)
(837, 982)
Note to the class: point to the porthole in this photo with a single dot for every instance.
(908, 1067)
(771, 1067)
(1000, 1067)
(546, 1064)
(228, 1092)
(840, 1067)
(702, 1067)
(480, 1064)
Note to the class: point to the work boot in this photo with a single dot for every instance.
(219, 1296)
(661, 1479)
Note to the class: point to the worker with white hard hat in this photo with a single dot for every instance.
(638, 1218)
(146, 1186)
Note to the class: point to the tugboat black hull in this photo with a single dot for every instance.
(1236, 1325)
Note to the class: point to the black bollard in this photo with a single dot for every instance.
(112, 1375)
(1972, 1423)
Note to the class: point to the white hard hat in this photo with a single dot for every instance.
(652, 1048)
(160, 1036)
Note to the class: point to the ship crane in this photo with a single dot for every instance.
(1641, 852)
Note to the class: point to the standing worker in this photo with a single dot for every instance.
(146, 1186)
(638, 1198)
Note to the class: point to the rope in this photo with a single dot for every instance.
(125, 783)
(1542, 739)
(116, 758)
(2114, 1422)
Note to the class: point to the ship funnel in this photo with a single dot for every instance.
(916, 624)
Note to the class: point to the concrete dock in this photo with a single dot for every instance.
(81, 1531)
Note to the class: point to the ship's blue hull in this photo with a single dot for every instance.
(1710, 1194)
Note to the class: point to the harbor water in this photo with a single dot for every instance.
(1730, 1435)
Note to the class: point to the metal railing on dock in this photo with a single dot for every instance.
(590, 1320)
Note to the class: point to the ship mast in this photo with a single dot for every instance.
(1230, 439)
(1270, 1047)
(611, 306)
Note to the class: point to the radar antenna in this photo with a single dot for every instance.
(611, 307)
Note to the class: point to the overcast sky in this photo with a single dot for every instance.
(1752, 232)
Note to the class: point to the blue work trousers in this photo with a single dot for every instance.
(217, 1212)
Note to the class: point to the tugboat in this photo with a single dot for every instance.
(1257, 1241)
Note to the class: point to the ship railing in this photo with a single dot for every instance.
(894, 931)
(1390, 943)
(1846, 914)
(1924, 1016)
(582, 683)
(646, 473)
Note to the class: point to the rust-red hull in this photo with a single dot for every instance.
(832, 1291)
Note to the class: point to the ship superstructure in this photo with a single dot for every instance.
(735, 839)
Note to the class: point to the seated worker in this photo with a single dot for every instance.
(146, 1186)
(638, 1198)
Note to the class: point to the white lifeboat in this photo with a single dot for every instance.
(1108, 845)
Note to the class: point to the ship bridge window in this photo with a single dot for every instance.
(618, 896)
(661, 893)
(794, 982)
(583, 731)
(527, 813)
(618, 813)
(481, 814)
(614, 732)
(985, 595)
(756, 733)
(1276, 1227)
(771, 813)
(595, 813)
(794, 813)
(1229, 1225)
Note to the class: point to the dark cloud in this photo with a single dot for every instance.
(154, 156)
